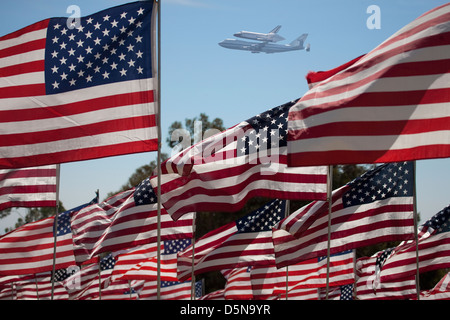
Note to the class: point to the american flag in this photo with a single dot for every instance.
(307, 274)
(433, 250)
(246, 241)
(128, 258)
(441, 290)
(238, 284)
(344, 292)
(390, 105)
(29, 248)
(171, 290)
(28, 187)
(124, 221)
(73, 92)
(85, 284)
(148, 269)
(375, 207)
(39, 287)
(367, 286)
(223, 171)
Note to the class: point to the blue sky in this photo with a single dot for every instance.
(200, 76)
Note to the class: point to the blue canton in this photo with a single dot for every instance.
(144, 193)
(109, 46)
(440, 222)
(385, 181)
(107, 262)
(346, 292)
(263, 219)
(174, 246)
(268, 130)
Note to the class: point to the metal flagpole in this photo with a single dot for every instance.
(158, 272)
(193, 256)
(416, 232)
(55, 229)
(329, 196)
(37, 288)
(287, 212)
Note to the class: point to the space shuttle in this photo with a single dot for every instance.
(272, 36)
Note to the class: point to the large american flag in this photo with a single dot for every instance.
(73, 92)
(124, 221)
(392, 104)
(28, 187)
(222, 172)
(375, 207)
(246, 241)
(29, 249)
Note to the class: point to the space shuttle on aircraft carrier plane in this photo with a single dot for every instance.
(267, 44)
(272, 36)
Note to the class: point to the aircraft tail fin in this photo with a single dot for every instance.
(299, 41)
(276, 29)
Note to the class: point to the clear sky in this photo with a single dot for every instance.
(200, 76)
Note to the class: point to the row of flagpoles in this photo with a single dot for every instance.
(286, 172)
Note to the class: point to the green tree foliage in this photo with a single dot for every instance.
(34, 214)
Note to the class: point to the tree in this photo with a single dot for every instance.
(35, 214)
(194, 130)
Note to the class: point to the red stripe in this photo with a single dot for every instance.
(27, 189)
(28, 204)
(22, 139)
(28, 173)
(81, 154)
(376, 128)
(27, 67)
(27, 90)
(374, 99)
(73, 108)
(368, 156)
(23, 47)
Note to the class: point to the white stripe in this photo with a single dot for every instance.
(20, 80)
(106, 139)
(370, 143)
(28, 181)
(77, 120)
(35, 55)
(85, 94)
(371, 114)
(24, 38)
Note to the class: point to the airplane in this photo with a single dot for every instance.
(272, 36)
(266, 47)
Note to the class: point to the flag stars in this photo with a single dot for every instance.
(114, 41)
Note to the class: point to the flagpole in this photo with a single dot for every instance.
(55, 228)
(329, 196)
(193, 257)
(158, 250)
(416, 232)
(287, 212)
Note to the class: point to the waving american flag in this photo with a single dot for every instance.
(77, 91)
